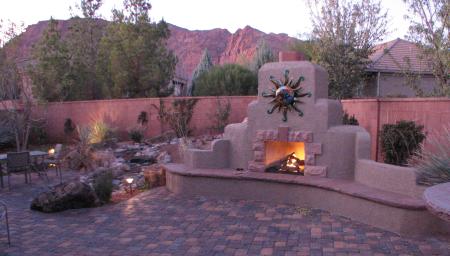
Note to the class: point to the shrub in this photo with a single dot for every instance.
(69, 127)
(433, 163)
(103, 185)
(178, 116)
(349, 120)
(400, 141)
(136, 133)
(81, 157)
(38, 135)
(229, 79)
(221, 115)
(6, 131)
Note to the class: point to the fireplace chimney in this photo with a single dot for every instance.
(290, 56)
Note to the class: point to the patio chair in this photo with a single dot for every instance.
(55, 161)
(21, 162)
(4, 214)
(18, 162)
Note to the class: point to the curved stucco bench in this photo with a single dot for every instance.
(437, 200)
(384, 209)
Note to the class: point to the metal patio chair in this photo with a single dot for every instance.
(18, 162)
(4, 214)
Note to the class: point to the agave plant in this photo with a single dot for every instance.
(433, 161)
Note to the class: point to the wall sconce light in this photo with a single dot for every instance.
(51, 151)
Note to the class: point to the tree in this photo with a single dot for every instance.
(430, 23)
(229, 79)
(16, 101)
(203, 66)
(82, 41)
(51, 74)
(262, 56)
(345, 32)
(133, 58)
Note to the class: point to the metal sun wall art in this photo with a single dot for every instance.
(286, 95)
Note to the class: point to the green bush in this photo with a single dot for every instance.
(349, 120)
(103, 186)
(229, 79)
(433, 163)
(400, 141)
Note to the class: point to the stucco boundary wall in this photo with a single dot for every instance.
(433, 113)
(372, 114)
(122, 114)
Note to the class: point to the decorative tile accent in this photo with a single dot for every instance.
(313, 148)
(319, 171)
(259, 156)
(256, 166)
(310, 159)
(258, 146)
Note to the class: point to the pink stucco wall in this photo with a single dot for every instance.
(433, 113)
(122, 114)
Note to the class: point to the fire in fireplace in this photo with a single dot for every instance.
(285, 157)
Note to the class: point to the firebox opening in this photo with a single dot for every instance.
(285, 157)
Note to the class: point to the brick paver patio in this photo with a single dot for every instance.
(160, 223)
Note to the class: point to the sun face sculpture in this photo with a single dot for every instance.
(286, 95)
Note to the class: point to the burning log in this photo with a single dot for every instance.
(290, 164)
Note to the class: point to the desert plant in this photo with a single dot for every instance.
(100, 132)
(400, 141)
(103, 185)
(69, 127)
(433, 162)
(221, 115)
(136, 133)
(349, 120)
(178, 116)
(142, 118)
(81, 157)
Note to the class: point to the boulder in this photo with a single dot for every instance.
(69, 195)
(155, 175)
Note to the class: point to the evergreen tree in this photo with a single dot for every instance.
(133, 58)
(83, 39)
(51, 74)
(203, 66)
(262, 56)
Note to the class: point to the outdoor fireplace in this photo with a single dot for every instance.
(285, 157)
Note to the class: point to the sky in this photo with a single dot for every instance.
(276, 16)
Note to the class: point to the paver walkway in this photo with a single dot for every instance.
(160, 223)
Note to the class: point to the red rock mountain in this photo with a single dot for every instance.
(188, 45)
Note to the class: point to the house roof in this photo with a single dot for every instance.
(398, 56)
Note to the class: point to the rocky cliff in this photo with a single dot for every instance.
(188, 45)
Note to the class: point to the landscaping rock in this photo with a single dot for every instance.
(155, 175)
(164, 158)
(69, 195)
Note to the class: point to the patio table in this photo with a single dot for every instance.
(35, 154)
